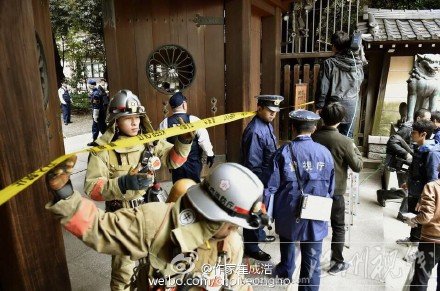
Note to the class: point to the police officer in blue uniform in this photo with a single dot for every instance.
(98, 111)
(314, 164)
(257, 148)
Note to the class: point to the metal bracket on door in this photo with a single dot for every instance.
(208, 20)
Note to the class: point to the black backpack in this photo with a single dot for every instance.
(103, 95)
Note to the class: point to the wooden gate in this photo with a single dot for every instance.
(134, 29)
(300, 80)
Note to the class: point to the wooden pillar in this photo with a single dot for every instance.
(385, 65)
(32, 253)
(111, 46)
(270, 56)
(238, 61)
(375, 62)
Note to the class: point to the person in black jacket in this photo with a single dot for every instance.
(399, 148)
(340, 80)
(404, 131)
(423, 169)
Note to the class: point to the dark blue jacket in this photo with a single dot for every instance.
(96, 99)
(258, 145)
(437, 136)
(316, 172)
(423, 168)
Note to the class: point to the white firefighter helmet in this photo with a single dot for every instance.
(231, 193)
(124, 103)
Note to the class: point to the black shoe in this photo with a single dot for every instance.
(92, 144)
(380, 197)
(69, 122)
(268, 239)
(65, 123)
(338, 267)
(259, 256)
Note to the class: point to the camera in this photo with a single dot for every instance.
(356, 41)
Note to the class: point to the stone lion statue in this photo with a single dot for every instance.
(424, 84)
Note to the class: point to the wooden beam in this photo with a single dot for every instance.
(412, 49)
(270, 55)
(283, 5)
(264, 8)
(385, 65)
(284, 114)
(306, 55)
(111, 46)
(414, 42)
(237, 50)
(316, 68)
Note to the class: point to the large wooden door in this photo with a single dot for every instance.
(32, 251)
(134, 29)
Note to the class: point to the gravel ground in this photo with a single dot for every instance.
(81, 124)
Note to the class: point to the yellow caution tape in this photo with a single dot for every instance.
(18, 186)
(300, 105)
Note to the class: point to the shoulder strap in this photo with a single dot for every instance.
(114, 158)
(295, 167)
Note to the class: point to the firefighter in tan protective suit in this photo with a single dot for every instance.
(179, 245)
(113, 175)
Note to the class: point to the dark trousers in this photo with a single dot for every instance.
(338, 227)
(66, 112)
(251, 238)
(415, 231)
(401, 178)
(310, 272)
(428, 256)
(99, 126)
(189, 170)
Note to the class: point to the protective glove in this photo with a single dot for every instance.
(210, 161)
(95, 115)
(58, 179)
(185, 137)
(410, 222)
(136, 180)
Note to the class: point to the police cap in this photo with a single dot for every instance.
(91, 82)
(176, 100)
(304, 116)
(270, 101)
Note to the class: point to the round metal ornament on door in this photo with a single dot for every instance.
(170, 69)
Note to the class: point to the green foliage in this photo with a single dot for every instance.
(404, 4)
(80, 102)
(78, 30)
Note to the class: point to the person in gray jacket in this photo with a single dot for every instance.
(345, 154)
(340, 79)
